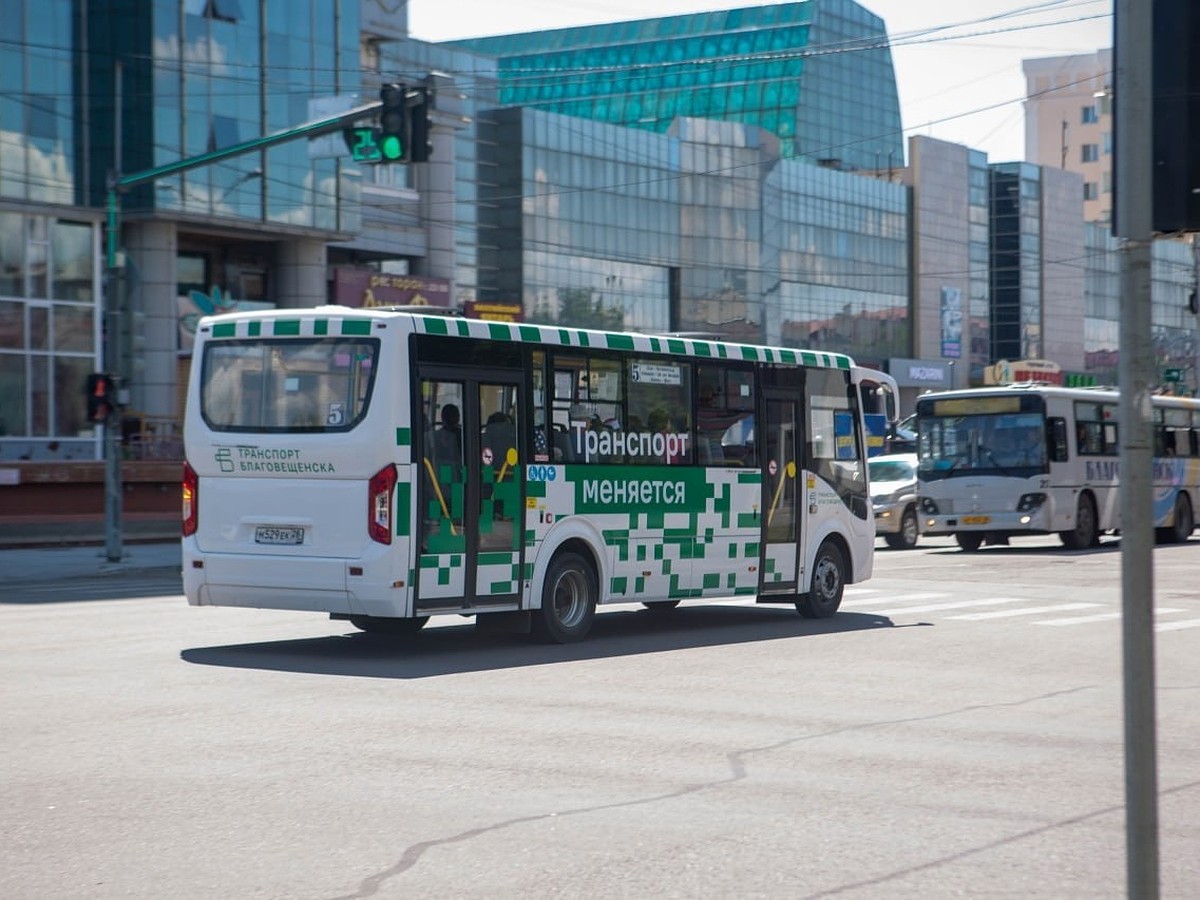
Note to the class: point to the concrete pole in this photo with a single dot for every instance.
(1134, 98)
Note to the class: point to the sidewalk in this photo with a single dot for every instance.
(59, 563)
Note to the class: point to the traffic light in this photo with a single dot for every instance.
(393, 123)
(419, 147)
(101, 397)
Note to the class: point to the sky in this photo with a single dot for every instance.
(958, 65)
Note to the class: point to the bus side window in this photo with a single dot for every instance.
(1056, 439)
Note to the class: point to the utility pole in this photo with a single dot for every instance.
(1132, 34)
(114, 311)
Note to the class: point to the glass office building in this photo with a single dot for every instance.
(816, 74)
(1173, 331)
(700, 229)
(173, 79)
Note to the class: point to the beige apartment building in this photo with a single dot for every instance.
(1069, 122)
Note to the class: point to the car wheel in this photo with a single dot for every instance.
(906, 537)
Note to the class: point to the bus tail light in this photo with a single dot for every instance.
(379, 504)
(191, 488)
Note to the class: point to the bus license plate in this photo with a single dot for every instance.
(976, 520)
(274, 534)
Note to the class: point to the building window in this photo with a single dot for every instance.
(1107, 142)
(223, 10)
(1089, 115)
(1091, 191)
(42, 113)
(1090, 153)
(223, 132)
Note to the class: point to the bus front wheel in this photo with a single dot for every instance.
(1084, 534)
(828, 581)
(969, 541)
(568, 600)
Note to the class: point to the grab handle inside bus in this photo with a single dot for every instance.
(437, 489)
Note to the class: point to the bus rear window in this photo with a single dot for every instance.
(289, 385)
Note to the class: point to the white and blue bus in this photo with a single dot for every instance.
(1038, 459)
(384, 467)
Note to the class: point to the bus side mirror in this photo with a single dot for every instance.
(1056, 439)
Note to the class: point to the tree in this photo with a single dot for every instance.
(582, 308)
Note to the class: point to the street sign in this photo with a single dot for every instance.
(1173, 375)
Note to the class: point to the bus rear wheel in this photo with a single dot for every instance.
(386, 626)
(970, 541)
(828, 581)
(1181, 530)
(568, 600)
(1084, 534)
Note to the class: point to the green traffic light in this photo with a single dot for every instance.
(391, 147)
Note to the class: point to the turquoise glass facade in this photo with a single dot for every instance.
(816, 74)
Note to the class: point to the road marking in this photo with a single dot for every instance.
(1099, 617)
(1175, 626)
(1033, 610)
(892, 598)
(957, 604)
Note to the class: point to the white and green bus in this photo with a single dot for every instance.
(384, 466)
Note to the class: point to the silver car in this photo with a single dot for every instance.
(894, 496)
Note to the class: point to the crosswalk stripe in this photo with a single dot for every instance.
(1175, 626)
(892, 598)
(1099, 617)
(1033, 610)
(957, 604)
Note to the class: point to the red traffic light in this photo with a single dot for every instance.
(101, 397)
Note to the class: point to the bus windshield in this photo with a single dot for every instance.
(1006, 444)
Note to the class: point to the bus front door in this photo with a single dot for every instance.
(781, 521)
(470, 499)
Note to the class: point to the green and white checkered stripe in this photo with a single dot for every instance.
(321, 325)
(291, 326)
(577, 337)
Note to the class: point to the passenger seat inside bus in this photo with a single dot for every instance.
(500, 435)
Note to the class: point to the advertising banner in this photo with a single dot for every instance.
(952, 323)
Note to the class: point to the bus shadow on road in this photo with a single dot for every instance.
(1106, 545)
(458, 649)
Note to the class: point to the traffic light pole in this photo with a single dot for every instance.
(113, 309)
(1132, 33)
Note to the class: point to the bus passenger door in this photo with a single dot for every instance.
(497, 487)
(470, 527)
(781, 520)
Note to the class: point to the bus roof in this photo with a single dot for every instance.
(343, 320)
(1107, 393)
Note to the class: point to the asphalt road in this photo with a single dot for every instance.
(955, 731)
